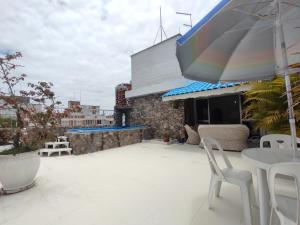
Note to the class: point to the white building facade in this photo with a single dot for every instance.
(156, 69)
(155, 73)
(88, 116)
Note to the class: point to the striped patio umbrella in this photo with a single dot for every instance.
(244, 40)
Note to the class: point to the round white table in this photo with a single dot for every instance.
(262, 159)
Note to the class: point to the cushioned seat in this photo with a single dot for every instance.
(231, 137)
(193, 136)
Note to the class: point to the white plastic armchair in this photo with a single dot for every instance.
(277, 141)
(241, 178)
(287, 208)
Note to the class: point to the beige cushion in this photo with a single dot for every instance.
(193, 136)
(231, 137)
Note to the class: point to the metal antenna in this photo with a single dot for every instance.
(161, 29)
(160, 24)
(186, 14)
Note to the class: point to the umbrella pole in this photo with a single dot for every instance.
(287, 80)
(291, 113)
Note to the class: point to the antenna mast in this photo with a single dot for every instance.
(186, 14)
(161, 29)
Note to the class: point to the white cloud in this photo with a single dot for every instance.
(85, 45)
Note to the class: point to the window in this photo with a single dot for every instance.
(225, 110)
(216, 110)
(202, 111)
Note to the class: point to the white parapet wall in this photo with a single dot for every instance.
(156, 69)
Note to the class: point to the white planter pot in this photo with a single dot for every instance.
(17, 172)
(5, 147)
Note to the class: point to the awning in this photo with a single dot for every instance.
(198, 89)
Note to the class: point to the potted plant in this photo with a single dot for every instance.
(166, 136)
(19, 163)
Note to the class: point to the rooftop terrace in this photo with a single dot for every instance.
(141, 184)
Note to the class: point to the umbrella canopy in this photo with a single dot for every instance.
(242, 40)
(238, 41)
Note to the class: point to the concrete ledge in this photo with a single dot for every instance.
(83, 143)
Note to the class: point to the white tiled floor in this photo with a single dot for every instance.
(142, 184)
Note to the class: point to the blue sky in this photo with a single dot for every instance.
(84, 46)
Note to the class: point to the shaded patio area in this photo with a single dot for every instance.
(141, 184)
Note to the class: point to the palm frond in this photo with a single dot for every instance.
(266, 104)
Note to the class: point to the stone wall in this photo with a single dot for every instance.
(161, 116)
(82, 143)
(7, 134)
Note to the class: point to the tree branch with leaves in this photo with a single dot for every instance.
(40, 119)
(10, 99)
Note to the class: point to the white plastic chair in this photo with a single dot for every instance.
(277, 141)
(241, 178)
(286, 208)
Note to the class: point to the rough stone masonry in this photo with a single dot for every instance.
(161, 116)
(82, 143)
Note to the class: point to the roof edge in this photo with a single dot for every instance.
(176, 35)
